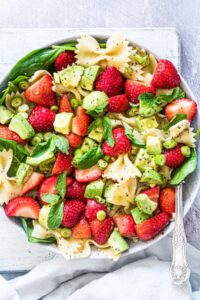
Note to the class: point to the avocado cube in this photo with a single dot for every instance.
(117, 242)
(63, 122)
(153, 145)
(139, 216)
(108, 192)
(89, 77)
(152, 177)
(146, 123)
(5, 115)
(97, 134)
(88, 144)
(22, 127)
(94, 189)
(95, 102)
(145, 204)
(46, 157)
(23, 173)
(78, 153)
(145, 160)
(71, 76)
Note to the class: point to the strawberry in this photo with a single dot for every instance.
(82, 230)
(25, 207)
(41, 119)
(126, 225)
(165, 75)
(110, 81)
(133, 89)
(6, 133)
(92, 208)
(118, 103)
(181, 106)
(76, 190)
(64, 60)
(74, 140)
(64, 105)
(167, 201)
(122, 143)
(73, 211)
(174, 157)
(88, 175)
(80, 124)
(148, 229)
(34, 181)
(41, 92)
(101, 230)
(63, 163)
(153, 193)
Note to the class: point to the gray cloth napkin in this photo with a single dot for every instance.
(144, 275)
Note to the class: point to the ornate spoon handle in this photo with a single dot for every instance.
(180, 271)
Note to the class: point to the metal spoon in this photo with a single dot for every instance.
(180, 271)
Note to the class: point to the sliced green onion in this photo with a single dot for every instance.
(66, 232)
(102, 164)
(23, 85)
(101, 215)
(169, 144)
(74, 103)
(54, 108)
(186, 151)
(16, 101)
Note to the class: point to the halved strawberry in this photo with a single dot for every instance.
(148, 229)
(74, 140)
(41, 118)
(181, 106)
(82, 230)
(34, 181)
(6, 133)
(125, 224)
(88, 175)
(101, 230)
(73, 211)
(41, 92)
(167, 200)
(118, 103)
(64, 60)
(25, 207)
(63, 163)
(133, 89)
(64, 104)
(92, 208)
(80, 124)
(153, 193)
(76, 190)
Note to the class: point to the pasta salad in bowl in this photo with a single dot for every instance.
(94, 138)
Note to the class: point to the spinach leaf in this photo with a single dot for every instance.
(50, 198)
(107, 132)
(55, 215)
(19, 154)
(61, 143)
(177, 118)
(90, 158)
(197, 133)
(185, 169)
(177, 93)
(135, 141)
(61, 185)
(28, 228)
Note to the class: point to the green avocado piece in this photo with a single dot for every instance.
(153, 145)
(146, 123)
(5, 115)
(22, 127)
(152, 177)
(46, 157)
(117, 242)
(63, 122)
(145, 204)
(89, 76)
(95, 103)
(88, 144)
(78, 153)
(145, 160)
(139, 216)
(71, 76)
(147, 105)
(23, 173)
(94, 189)
(108, 192)
(96, 134)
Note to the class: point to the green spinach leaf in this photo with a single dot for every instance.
(50, 198)
(197, 133)
(61, 143)
(129, 132)
(177, 118)
(90, 158)
(107, 132)
(61, 185)
(55, 215)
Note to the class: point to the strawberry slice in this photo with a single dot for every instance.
(41, 92)
(41, 118)
(92, 208)
(88, 175)
(153, 193)
(80, 124)
(64, 60)
(82, 230)
(34, 181)
(6, 133)
(73, 211)
(63, 163)
(118, 103)
(151, 227)
(174, 157)
(64, 105)
(25, 207)
(101, 230)
(167, 201)
(74, 140)
(133, 89)
(181, 106)
(76, 190)
(125, 224)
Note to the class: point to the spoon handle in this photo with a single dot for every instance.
(180, 271)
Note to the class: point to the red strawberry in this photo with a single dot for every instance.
(122, 143)
(76, 190)
(151, 227)
(88, 175)
(74, 140)
(167, 201)
(34, 181)
(174, 157)
(133, 89)
(25, 207)
(63, 163)
(181, 106)
(80, 124)
(110, 81)
(126, 225)
(153, 193)
(165, 75)
(41, 92)
(41, 119)
(92, 208)
(64, 105)
(101, 230)
(82, 230)
(118, 103)
(73, 211)
(65, 59)
(6, 133)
